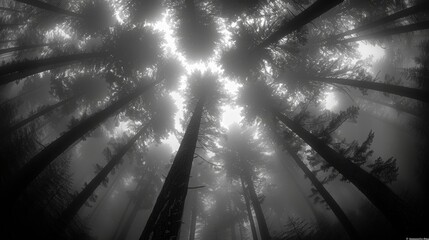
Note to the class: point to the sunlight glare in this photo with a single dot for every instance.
(230, 115)
(368, 50)
(330, 101)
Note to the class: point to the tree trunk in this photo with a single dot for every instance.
(397, 107)
(262, 223)
(83, 196)
(249, 211)
(387, 32)
(342, 217)
(137, 206)
(29, 119)
(306, 16)
(49, 7)
(41, 160)
(165, 220)
(9, 9)
(9, 25)
(14, 71)
(399, 215)
(385, 20)
(121, 220)
(21, 48)
(418, 94)
(194, 216)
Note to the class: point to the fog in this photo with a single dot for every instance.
(214, 119)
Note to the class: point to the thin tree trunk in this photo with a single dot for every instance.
(9, 25)
(397, 108)
(9, 9)
(194, 216)
(49, 7)
(165, 219)
(396, 211)
(41, 160)
(336, 209)
(86, 193)
(121, 220)
(137, 206)
(288, 26)
(21, 48)
(29, 119)
(385, 20)
(7, 41)
(249, 211)
(262, 223)
(105, 195)
(14, 71)
(387, 32)
(418, 94)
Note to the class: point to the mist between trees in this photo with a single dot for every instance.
(214, 119)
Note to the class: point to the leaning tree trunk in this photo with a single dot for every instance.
(288, 26)
(165, 220)
(83, 196)
(9, 9)
(262, 223)
(121, 220)
(21, 48)
(249, 211)
(49, 7)
(194, 214)
(336, 209)
(15, 71)
(385, 20)
(29, 119)
(401, 216)
(135, 210)
(41, 160)
(418, 94)
(386, 32)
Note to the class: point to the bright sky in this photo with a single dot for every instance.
(230, 113)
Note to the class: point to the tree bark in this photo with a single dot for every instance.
(249, 211)
(29, 119)
(135, 210)
(83, 196)
(41, 160)
(49, 7)
(262, 223)
(194, 216)
(385, 20)
(418, 94)
(401, 216)
(288, 26)
(9, 9)
(14, 71)
(165, 220)
(387, 32)
(21, 48)
(336, 209)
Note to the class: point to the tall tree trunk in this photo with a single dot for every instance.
(194, 214)
(141, 191)
(25, 47)
(9, 9)
(29, 119)
(15, 71)
(165, 220)
(249, 211)
(424, 6)
(319, 219)
(418, 94)
(121, 220)
(105, 195)
(397, 107)
(41, 160)
(49, 7)
(396, 211)
(288, 26)
(336, 209)
(262, 223)
(386, 32)
(83, 196)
